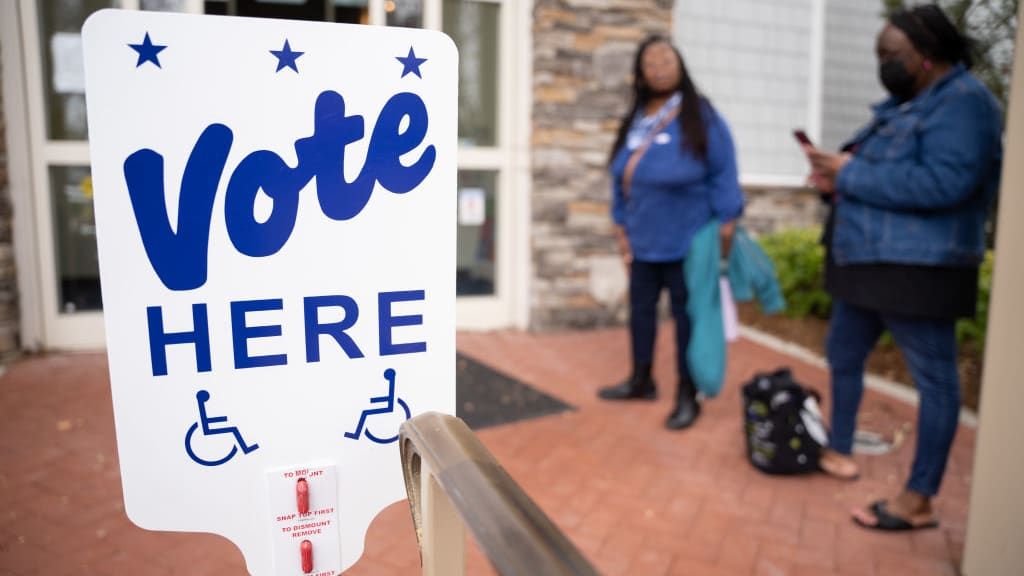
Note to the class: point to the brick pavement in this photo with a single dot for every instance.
(636, 498)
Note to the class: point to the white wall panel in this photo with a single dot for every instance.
(851, 80)
(754, 60)
(751, 59)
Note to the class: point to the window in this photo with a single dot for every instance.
(474, 268)
(74, 225)
(475, 28)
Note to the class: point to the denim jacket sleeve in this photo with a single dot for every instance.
(723, 176)
(952, 146)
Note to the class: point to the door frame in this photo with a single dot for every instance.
(509, 306)
(44, 324)
(20, 155)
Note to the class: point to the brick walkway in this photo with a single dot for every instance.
(636, 498)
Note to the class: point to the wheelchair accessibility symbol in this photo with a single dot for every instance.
(202, 397)
(388, 407)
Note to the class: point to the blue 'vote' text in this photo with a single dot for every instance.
(179, 255)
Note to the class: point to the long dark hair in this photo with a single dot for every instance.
(931, 32)
(691, 121)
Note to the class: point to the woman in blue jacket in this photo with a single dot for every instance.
(673, 169)
(911, 193)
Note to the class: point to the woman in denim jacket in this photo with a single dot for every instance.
(673, 170)
(910, 195)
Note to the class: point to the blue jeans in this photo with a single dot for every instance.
(929, 347)
(646, 281)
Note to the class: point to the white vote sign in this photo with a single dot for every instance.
(275, 207)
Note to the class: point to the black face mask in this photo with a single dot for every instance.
(896, 79)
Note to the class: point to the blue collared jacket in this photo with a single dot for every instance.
(673, 192)
(922, 177)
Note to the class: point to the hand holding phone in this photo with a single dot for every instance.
(824, 185)
(802, 137)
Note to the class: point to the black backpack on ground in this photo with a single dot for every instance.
(784, 429)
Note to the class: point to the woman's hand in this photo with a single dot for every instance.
(624, 248)
(725, 234)
(825, 167)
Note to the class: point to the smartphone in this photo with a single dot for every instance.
(802, 137)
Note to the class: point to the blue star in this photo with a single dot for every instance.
(286, 57)
(147, 51)
(411, 63)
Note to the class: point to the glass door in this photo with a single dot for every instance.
(69, 297)
(347, 11)
(488, 282)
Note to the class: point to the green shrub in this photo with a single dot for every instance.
(799, 260)
(972, 330)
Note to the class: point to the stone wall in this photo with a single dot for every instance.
(770, 209)
(583, 57)
(583, 53)
(8, 279)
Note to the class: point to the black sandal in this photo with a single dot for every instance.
(887, 522)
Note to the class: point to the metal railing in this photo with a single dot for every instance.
(453, 481)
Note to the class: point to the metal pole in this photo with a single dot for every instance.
(995, 522)
(444, 538)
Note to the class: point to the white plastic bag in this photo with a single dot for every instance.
(730, 322)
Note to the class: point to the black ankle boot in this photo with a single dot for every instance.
(640, 386)
(687, 408)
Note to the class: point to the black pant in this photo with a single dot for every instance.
(646, 279)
